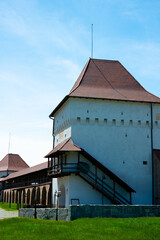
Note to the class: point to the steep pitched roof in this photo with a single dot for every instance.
(65, 146)
(109, 80)
(12, 162)
(106, 79)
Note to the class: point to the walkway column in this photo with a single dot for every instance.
(41, 194)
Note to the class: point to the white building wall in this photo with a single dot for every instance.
(54, 189)
(79, 189)
(107, 180)
(65, 181)
(62, 135)
(156, 124)
(117, 134)
(62, 125)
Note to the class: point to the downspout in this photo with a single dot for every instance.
(152, 155)
(53, 130)
(51, 160)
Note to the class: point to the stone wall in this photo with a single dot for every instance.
(45, 213)
(91, 211)
(114, 211)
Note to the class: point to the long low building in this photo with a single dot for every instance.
(21, 186)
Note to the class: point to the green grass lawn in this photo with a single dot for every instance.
(6, 206)
(84, 228)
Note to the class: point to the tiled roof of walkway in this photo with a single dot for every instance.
(26, 171)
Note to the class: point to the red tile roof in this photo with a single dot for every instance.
(26, 171)
(109, 80)
(65, 146)
(105, 79)
(12, 162)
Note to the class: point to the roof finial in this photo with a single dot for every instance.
(92, 40)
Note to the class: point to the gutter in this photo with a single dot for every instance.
(53, 129)
(153, 189)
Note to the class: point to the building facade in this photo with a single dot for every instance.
(26, 185)
(9, 164)
(106, 136)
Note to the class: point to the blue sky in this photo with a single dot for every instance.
(44, 45)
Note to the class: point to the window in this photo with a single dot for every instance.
(144, 162)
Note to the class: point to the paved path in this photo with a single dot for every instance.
(7, 214)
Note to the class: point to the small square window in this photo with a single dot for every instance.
(144, 162)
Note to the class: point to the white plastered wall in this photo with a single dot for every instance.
(156, 126)
(62, 125)
(118, 134)
(79, 189)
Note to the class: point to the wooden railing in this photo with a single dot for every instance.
(60, 169)
(100, 184)
(25, 183)
(82, 169)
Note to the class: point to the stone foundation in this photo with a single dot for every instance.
(91, 211)
(45, 213)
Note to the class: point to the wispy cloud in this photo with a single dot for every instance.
(44, 45)
(46, 35)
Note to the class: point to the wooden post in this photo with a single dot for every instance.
(114, 189)
(130, 198)
(96, 174)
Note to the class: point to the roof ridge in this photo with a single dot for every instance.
(22, 160)
(11, 161)
(81, 78)
(8, 161)
(151, 94)
(4, 162)
(76, 145)
(131, 75)
(106, 60)
(64, 143)
(108, 81)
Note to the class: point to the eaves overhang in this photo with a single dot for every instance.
(94, 98)
(107, 80)
(66, 146)
(26, 171)
(59, 106)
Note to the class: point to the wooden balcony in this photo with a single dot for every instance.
(60, 170)
(111, 191)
